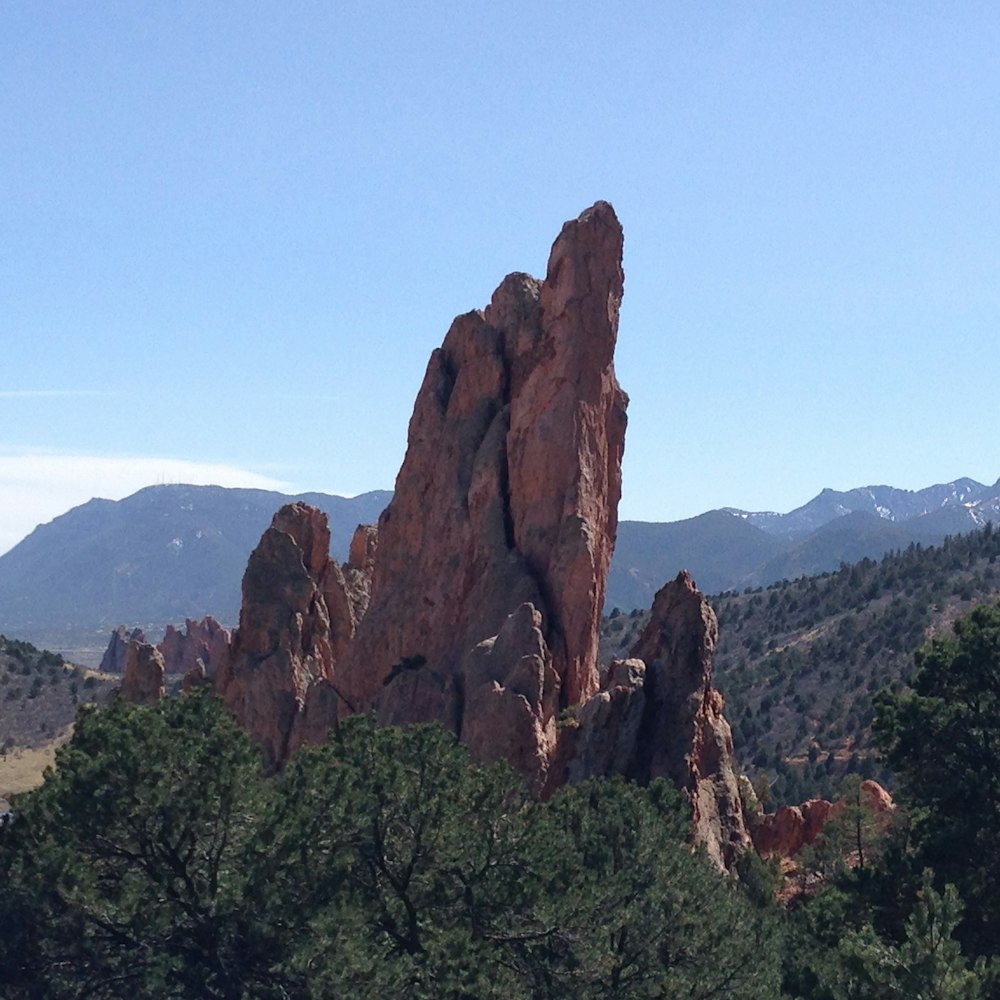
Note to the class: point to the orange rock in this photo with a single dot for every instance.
(142, 683)
(508, 493)
(282, 646)
(206, 640)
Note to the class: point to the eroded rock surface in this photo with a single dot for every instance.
(685, 736)
(282, 645)
(113, 660)
(508, 493)
(477, 601)
(205, 641)
(142, 683)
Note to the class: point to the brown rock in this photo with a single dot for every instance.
(347, 588)
(510, 695)
(282, 646)
(610, 723)
(685, 736)
(784, 833)
(781, 833)
(508, 493)
(206, 641)
(142, 683)
(113, 661)
(876, 798)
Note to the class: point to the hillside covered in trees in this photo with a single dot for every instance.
(800, 661)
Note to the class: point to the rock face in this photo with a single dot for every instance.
(509, 490)
(786, 831)
(477, 601)
(113, 661)
(684, 735)
(282, 645)
(206, 642)
(142, 683)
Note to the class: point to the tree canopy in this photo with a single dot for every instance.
(158, 861)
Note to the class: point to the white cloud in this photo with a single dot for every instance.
(34, 488)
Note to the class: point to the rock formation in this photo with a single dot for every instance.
(786, 831)
(509, 489)
(205, 641)
(142, 683)
(477, 602)
(658, 716)
(113, 661)
(282, 645)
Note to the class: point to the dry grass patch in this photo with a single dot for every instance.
(22, 768)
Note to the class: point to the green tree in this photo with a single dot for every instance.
(927, 965)
(391, 862)
(124, 874)
(942, 739)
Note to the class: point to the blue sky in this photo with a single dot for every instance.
(231, 234)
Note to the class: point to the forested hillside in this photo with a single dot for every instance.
(800, 661)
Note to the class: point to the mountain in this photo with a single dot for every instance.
(720, 551)
(964, 500)
(158, 556)
(171, 552)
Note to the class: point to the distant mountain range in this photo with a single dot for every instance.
(731, 549)
(171, 552)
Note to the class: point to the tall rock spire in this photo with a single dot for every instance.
(509, 490)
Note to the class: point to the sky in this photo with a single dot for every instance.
(232, 233)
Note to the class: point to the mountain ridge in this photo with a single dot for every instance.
(169, 552)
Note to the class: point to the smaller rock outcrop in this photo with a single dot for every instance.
(786, 831)
(205, 641)
(685, 736)
(282, 647)
(511, 694)
(142, 683)
(113, 661)
(347, 588)
(606, 735)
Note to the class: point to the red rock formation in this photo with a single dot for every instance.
(142, 683)
(347, 588)
(606, 735)
(282, 646)
(508, 493)
(876, 798)
(685, 736)
(482, 606)
(785, 832)
(207, 641)
(511, 692)
(113, 661)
